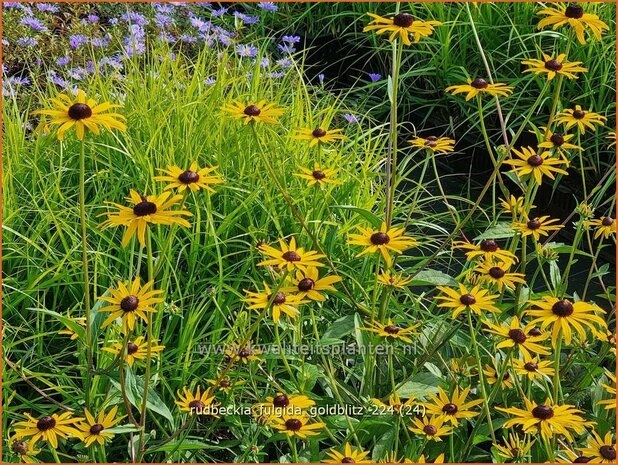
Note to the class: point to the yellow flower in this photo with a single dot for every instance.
(550, 419)
(128, 304)
(515, 335)
(281, 405)
(246, 354)
(537, 227)
(533, 368)
(297, 426)
(491, 375)
(194, 178)
(574, 16)
(290, 257)
(69, 331)
(349, 455)
(611, 136)
(488, 249)
(152, 209)
(480, 86)
(554, 66)
(453, 408)
(476, 299)
(82, 113)
(395, 406)
(318, 175)
(536, 164)
(307, 284)
(136, 350)
(609, 403)
(93, 430)
(433, 428)
(260, 112)
(394, 280)
(565, 316)
(225, 384)
(605, 225)
(319, 135)
(383, 241)
(277, 303)
(514, 448)
(421, 459)
(600, 450)
(200, 403)
(24, 450)
(513, 205)
(558, 142)
(498, 273)
(434, 144)
(390, 330)
(583, 119)
(49, 428)
(401, 25)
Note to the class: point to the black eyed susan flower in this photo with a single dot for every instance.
(518, 336)
(513, 205)
(391, 330)
(491, 375)
(83, 113)
(514, 447)
(297, 426)
(580, 118)
(533, 367)
(290, 257)
(574, 16)
(571, 457)
(611, 390)
(498, 273)
(349, 455)
(318, 176)
(432, 428)
(537, 165)
(279, 303)
(422, 459)
(402, 25)
(319, 135)
(260, 112)
(225, 383)
(49, 428)
(395, 406)
(611, 136)
(308, 284)
(537, 227)
(565, 317)
(395, 280)
(24, 450)
(600, 450)
(434, 144)
(452, 408)
(548, 419)
(93, 430)
(282, 405)
(558, 142)
(81, 321)
(488, 249)
(194, 178)
(605, 226)
(554, 66)
(480, 86)
(393, 457)
(152, 209)
(135, 350)
(244, 354)
(199, 403)
(130, 304)
(475, 299)
(383, 240)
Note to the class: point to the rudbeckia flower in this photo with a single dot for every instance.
(281, 405)
(536, 165)
(475, 299)
(383, 240)
(605, 226)
(514, 447)
(453, 408)
(349, 455)
(279, 303)
(69, 331)
(83, 113)
(514, 335)
(491, 375)
(402, 25)
(498, 273)
(391, 330)
(611, 390)
(135, 350)
(49, 428)
(93, 430)
(297, 426)
(24, 450)
(600, 450)
(308, 284)
(260, 112)
(194, 178)
(290, 257)
(245, 354)
(488, 249)
(537, 227)
(580, 118)
(558, 142)
(434, 144)
(534, 368)
(319, 135)
(574, 16)
(480, 86)
(432, 428)
(395, 280)
(318, 176)
(554, 66)
(199, 403)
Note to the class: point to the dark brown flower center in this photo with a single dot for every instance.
(579, 114)
(557, 139)
(562, 308)
(534, 223)
(79, 111)
(534, 332)
(291, 256)
(431, 141)
(306, 284)
(479, 83)
(244, 353)
(542, 412)
(531, 366)
(607, 221)
(252, 110)
(553, 65)
(96, 429)
(317, 174)
(379, 238)
(496, 272)
(145, 208)
(608, 452)
(430, 430)
(450, 409)
(132, 348)
(506, 377)
(129, 303)
(318, 132)
(19, 447)
(391, 329)
(348, 460)
(281, 401)
(574, 11)
(293, 424)
(488, 245)
(517, 335)
(225, 383)
(515, 451)
(467, 299)
(581, 459)
(188, 177)
(196, 405)
(535, 160)
(403, 20)
(279, 298)
(45, 423)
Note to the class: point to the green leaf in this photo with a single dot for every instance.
(68, 322)
(375, 220)
(499, 231)
(341, 327)
(383, 445)
(420, 385)
(432, 278)
(122, 429)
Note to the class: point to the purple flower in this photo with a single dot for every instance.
(63, 61)
(268, 6)
(291, 39)
(224, 39)
(200, 24)
(285, 62)
(167, 37)
(112, 21)
(218, 13)
(77, 40)
(47, 7)
(27, 42)
(351, 119)
(5, 42)
(59, 81)
(163, 21)
(188, 39)
(375, 77)
(246, 19)
(8, 5)
(101, 41)
(209, 81)
(277, 74)
(321, 78)
(34, 23)
(246, 51)
(286, 48)
(164, 8)
(265, 62)
(134, 17)
(114, 62)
